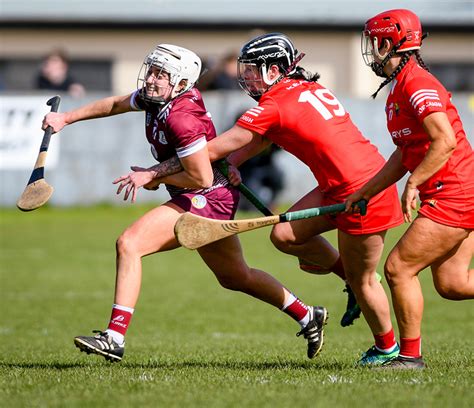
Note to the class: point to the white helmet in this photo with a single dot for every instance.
(180, 63)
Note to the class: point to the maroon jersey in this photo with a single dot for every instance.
(181, 128)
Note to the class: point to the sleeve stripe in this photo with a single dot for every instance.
(416, 94)
(191, 148)
(424, 98)
(433, 95)
(133, 103)
(255, 111)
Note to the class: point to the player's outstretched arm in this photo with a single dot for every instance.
(109, 106)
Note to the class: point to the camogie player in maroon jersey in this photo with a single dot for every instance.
(432, 146)
(177, 124)
(306, 119)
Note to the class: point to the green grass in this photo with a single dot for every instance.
(192, 343)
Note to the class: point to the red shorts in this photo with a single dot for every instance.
(454, 211)
(219, 204)
(383, 212)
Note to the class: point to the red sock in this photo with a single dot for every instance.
(338, 269)
(385, 342)
(295, 308)
(410, 347)
(120, 319)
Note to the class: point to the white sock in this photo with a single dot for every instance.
(289, 301)
(291, 298)
(304, 321)
(389, 350)
(118, 337)
(124, 308)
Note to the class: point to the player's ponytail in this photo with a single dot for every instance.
(301, 73)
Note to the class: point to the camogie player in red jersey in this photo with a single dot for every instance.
(177, 124)
(432, 146)
(306, 119)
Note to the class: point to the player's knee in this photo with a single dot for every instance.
(392, 270)
(449, 292)
(279, 239)
(125, 244)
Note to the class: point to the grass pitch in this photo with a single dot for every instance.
(192, 343)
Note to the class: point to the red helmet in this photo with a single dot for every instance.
(402, 27)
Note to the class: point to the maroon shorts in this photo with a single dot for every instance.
(383, 212)
(219, 204)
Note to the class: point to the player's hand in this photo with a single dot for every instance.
(54, 119)
(131, 182)
(153, 185)
(409, 202)
(351, 206)
(234, 175)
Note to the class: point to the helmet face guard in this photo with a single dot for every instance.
(370, 49)
(258, 56)
(253, 79)
(153, 61)
(182, 66)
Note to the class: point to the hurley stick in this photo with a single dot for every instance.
(193, 231)
(246, 192)
(38, 191)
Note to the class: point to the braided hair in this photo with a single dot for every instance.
(420, 61)
(405, 58)
(301, 73)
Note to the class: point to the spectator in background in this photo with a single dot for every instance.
(225, 74)
(261, 175)
(54, 75)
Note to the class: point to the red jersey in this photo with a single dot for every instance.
(307, 120)
(414, 95)
(182, 128)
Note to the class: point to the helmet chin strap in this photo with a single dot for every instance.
(378, 68)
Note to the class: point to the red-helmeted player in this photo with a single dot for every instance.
(178, 125)
(432, 146)
(306, 119)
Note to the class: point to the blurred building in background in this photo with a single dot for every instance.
(107, 40)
